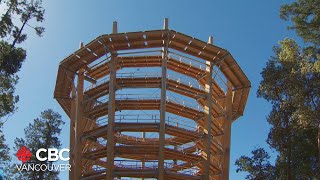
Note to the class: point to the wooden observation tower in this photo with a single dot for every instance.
(153, 104)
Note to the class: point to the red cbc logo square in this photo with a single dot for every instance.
(24, 154)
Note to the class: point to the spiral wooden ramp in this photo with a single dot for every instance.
(117, 135)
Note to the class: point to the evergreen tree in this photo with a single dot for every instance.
(42, 133)
(258, 165)
(305, 16)
(4, 152)
(12, 33)
(291, 82)
(11, 57)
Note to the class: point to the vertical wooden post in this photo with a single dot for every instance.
(114, 27)
(111, 111)
(143, 161)
(208, 109)
(210, 40)
(175, 147)
(163, 107)
(227, 133)
(166, 24)
(78, 124)
(72, 129)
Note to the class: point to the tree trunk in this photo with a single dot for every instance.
(289, 164)
(20, 31)
(289, 145)
(319, 145)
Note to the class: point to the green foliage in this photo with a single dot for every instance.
(28, 11)
(297, 146)
(258, 166)
(10, 62)
(4, 149)
(305, 16)
(25, 11)
(7, 97)
(12, 57)
(291, 83)
(43, 132)
(4, 152)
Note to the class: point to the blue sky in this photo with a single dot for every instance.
(248, 29)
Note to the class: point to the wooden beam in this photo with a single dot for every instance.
(78, 126)
(166, 24)
(111, 114)
(227, 133)
(163, 107)
(78, 123)
(87, 78)
(72, 130)
(175, 147)
(143, 161)
(208, 110)
(111, 110)
(115, 27)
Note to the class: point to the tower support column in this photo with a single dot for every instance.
(111, 114)
(208, 110)
(163, 107)
(78, 124)
(227, 133)
(72, 129)
(111, 109)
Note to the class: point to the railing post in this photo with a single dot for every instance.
(175, 161)
(143, 162)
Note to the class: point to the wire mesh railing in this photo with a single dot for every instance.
(98, 83)
(134, 164)
(154, 52)
(190, 169)
(103, 59)
(182, 102)
(156, 97)
(185, 80)
(106, 58)
(179, 79)
(187, 60)
(151, 118)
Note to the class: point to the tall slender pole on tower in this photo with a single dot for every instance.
(163, 106)
(78, 124)
(227, 132)
(208, 111)
(72, 128)
(111, 109)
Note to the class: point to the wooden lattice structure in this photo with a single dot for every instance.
(179, 140)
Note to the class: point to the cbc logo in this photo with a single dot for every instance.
(53, 154)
